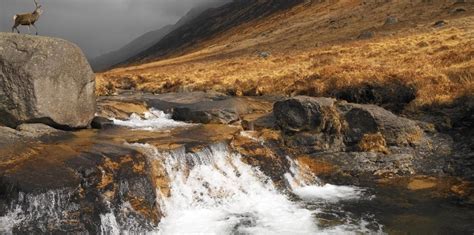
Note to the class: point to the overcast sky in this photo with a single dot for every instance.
(99, 26)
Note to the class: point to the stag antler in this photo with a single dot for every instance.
(36, 4)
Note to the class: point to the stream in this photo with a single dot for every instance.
(213, 191)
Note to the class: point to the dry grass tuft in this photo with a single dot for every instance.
(373, 143)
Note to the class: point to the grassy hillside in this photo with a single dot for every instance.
(391, 53)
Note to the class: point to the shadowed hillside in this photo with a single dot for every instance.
(212, 22)
(145, 41)
(403, 55)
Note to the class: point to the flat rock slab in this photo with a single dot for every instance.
(198, 107)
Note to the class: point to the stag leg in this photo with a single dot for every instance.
(29, 29)
(36, 29)
(15, 27)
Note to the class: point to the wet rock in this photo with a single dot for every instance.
(258, 121)
(27, 133)
(38, 130)
(260, 149)
(44, 80)
(101, 123)
(310, 124)
(70, 186)
(371, 119)
(359, 167)
(8, 136)
(205, 114)
(217, 110)
(196, 107)
(304, 113)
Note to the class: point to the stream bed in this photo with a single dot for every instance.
(212, 190)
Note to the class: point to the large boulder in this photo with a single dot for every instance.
(304, 113)
(310, 124)
(44, 80)
(322, 124)
(372, 119)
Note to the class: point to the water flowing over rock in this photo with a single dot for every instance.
(44, 80)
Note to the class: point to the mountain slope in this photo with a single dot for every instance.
(137, 45)
(212, 22)
(406, 55)
(147, 40)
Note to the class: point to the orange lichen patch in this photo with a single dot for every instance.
(270, 135)
(167, 146)
(463, 189)
(249, 147)
(316, 167)
(9, 160)
(139, 167)
(106, 179)
(373, 143)
(110, 165)
(142, 207)
(421, 183)
(109, 195)
(437, 187)
(160, 178)
(107, 169)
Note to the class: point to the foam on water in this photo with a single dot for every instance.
(43, 210)
(153, 120)
(307, 186)
(214, 192)
(109, 224)
(211, 192)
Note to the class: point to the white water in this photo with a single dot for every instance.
(50, 208)
(153, 120)
(304, 184)
(214, 192)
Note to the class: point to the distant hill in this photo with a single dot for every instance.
(147, 40)
(210, 23)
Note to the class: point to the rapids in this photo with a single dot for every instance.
(212, 191)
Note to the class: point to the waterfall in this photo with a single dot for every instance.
(40, 210)
(214, 192)
(211, 191)
(308, 187)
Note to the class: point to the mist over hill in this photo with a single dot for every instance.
(145, 41)
(99, 27)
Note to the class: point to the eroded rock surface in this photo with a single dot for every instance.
(360, 139)
(44, 80)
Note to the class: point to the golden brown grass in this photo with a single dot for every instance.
(373, 143)
(310, 54)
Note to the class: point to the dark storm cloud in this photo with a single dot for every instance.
(99, 26)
